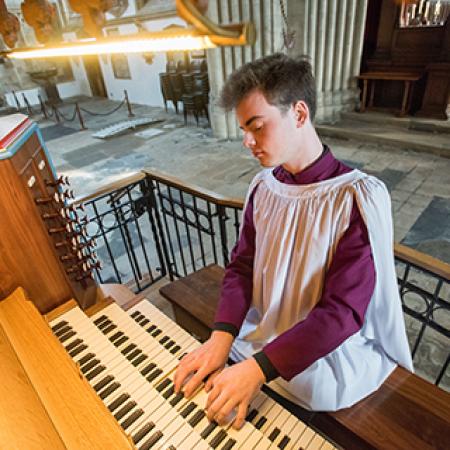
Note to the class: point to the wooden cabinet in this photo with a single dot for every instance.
(32, 252)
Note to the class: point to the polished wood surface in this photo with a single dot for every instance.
(405, 413)
(19, 404)
(78, 415)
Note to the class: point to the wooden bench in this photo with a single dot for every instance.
(408, 79)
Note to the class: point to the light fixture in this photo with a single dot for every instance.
(203, 34)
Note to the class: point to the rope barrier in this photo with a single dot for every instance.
(103, 114)
(59, 116)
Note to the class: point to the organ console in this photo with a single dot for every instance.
(83, 374)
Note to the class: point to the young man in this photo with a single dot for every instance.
(310, 298)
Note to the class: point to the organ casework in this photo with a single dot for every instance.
(44, 246)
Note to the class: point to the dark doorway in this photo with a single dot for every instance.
(95, 75)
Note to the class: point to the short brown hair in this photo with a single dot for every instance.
(283, 81)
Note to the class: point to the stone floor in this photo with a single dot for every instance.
(418, 181)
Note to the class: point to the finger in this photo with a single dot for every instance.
(182, 374)
(212, 396)
(226, 413)
(210, 382)
(241, 415)
(194, 382)
(216, 406)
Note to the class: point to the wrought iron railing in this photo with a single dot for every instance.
(153, 225)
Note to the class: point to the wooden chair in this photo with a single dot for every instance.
(167, 91)
(193, 98)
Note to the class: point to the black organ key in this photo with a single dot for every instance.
(177, 399)
(165, 383)
(259, 424)
(139, 359)
(208, 430)
(182, 356)
(172, 448)
(169, 344)
(157, 332)
(144, 322)
(125, 410)
(59, 325)
(164, 339)
(135, 314)
(155, 374)
(66, 336)
(128, 349)
(100, 319)
(151, 328)
(62, 330)
(73, 344)
(109, 328)
(86, 358)
(116, 336)
(90, 365)
(147, 369)
(78, 350)
(188, 409)
(93, 373)
(104, 324)
(139, 435)
(133, 354)
(139, 317)
(120, 341)
(151, 441)
(251, 415)
(169, 392)
(132, 418)
(284, 442)
(220, 436)
(195, 419)
(175, 349)
(118, 401)
(229, 444)
(274, 434)
(103, 382)
(109, 390)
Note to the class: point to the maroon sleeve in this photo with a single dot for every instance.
(348, 288)
(237, 286)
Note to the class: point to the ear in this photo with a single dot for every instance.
(301, 112)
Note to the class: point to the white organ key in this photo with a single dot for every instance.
(306, 437)
(295, 434)
(149, 400)
(285, 436)
(316, 443)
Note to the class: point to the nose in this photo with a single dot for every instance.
(248, 140)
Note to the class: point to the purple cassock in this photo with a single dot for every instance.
(347, 290)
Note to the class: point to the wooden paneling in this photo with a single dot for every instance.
(78, 415)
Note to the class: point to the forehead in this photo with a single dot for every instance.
(253, 104)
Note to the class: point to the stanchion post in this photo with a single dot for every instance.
(43, 109)
(80, 117)
(27, 104)
(16, 99)
(130, 113)
(55, 111)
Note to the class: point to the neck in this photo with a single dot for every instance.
(311, 149)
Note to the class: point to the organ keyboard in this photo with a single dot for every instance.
(129, 360)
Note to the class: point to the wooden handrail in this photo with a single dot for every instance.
(422, 260)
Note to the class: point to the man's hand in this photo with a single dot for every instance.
(233, 388)
(207, 359)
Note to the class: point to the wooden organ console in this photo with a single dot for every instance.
(92, 375)
(43, 245)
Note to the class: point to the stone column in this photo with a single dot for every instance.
(329, 32)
